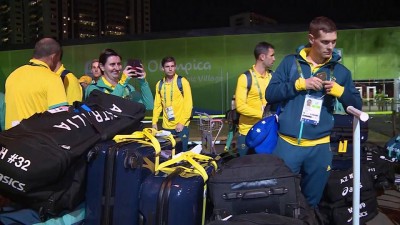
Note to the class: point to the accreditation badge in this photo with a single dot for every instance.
(311, 110)
(170, 113)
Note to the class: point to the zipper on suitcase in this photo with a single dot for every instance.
(108, 184)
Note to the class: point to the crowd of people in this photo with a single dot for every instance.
(312, 75)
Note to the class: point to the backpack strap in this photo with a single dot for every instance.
(64, 73)
(160, 85)
(249, 80)
(178, 81)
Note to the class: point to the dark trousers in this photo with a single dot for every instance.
(313, 163)
(183, 135)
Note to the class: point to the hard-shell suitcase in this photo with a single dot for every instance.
(113, 176)
(115, 173)
(177, 197)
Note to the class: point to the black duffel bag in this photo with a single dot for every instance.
(340, 184)
(341, 212)
(257, 183)
(42, 160)
(259, 219)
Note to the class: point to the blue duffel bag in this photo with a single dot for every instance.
(393, 148)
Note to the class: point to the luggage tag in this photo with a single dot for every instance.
(342, 146)
(170, 113)
(311, 110)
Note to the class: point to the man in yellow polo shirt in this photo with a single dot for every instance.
(174, 99)
(313, 75)
(250, 92)
(34, 87)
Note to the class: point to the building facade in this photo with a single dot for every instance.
(249, 19)
(24, 21)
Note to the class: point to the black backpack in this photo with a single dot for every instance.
(232, 116)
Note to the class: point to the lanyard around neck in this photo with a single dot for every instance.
(35, 64)
(300, 71)
(165, 90)
(258, 85)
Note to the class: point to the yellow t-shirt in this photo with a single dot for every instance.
(250, 105)
(32, 89)
(72, 87)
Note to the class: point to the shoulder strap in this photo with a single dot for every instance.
(293, 69)
(64, 73)
(179, 82)
(160, 85)
(249, 80)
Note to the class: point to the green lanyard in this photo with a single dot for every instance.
(165, 91)
(300, 71)
(34, 64)
(258, 85)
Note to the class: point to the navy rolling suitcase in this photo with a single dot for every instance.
(115, 173)
(177, 195)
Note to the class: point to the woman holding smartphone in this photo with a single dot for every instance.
(116, 83)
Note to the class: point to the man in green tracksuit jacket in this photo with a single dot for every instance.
(312, 75)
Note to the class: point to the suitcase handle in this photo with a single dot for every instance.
(145, 137)
(261, 193)
(140, 135)
(196, 164)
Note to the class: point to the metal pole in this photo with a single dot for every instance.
(394, 115)
(358, 115)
